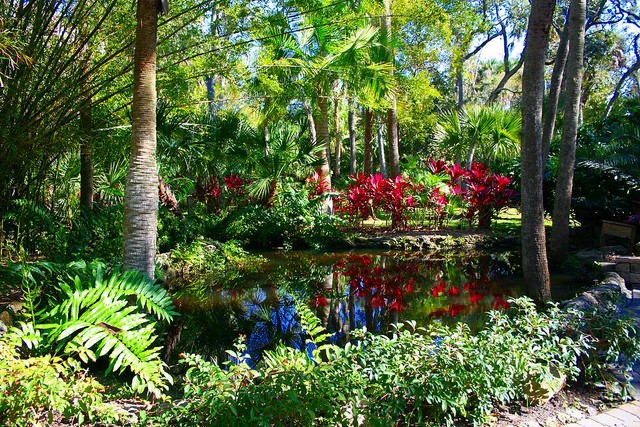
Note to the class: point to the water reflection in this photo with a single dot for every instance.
(346, 291)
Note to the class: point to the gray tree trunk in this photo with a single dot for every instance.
(392, 112)
(368, 141)
(352, 140)
(322, 131)
(534, 254)
(140, 220)
(338, 147)
(555, 88)
(383, 162)
(564, 184)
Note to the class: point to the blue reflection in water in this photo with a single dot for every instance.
(347, 292)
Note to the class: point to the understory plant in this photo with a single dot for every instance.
(39, 389)
(93, 313)
(415, 376)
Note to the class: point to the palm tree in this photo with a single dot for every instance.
(534, 254)
(564, 184)
(486, 133)
(291, 154)
(140, 220)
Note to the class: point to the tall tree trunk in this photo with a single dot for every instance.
(312, 122)
(86, 148)
(352, 139)
(383, 162)
(210, 83)
(564, 184)
(368, 141)
(392, 112)
(338, 148)
(322, 130)
(140, 220)
(534, 253)
(555, 88)
(460, 88)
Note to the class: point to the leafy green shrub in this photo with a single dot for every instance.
(294, 220)
(219, 262)
(46, 387)
(615, 341)
(96, 314)
(414, 377)
(96, 233)
(174, 232)
(449, 374)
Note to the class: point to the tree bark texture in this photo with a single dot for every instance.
(140, 221)
(392, 112)
(383, 162)
(534, 254)
(368, 142)
(322, 130)
(352, 141)
(555, 88)
(338, 147)
(564, 183)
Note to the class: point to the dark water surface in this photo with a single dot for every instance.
(346, 290)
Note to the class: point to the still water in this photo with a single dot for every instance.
(347, 291)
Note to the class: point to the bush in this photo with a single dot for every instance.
(414, 377)
(44, 388)
(92, 313)
(294, 220)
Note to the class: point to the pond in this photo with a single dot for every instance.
(347, 291)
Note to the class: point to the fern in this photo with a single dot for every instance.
(108, 315)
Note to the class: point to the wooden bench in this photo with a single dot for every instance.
(618, 229)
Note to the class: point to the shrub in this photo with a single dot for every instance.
(95, 314)
(413, 377)
(46, 387)
(294, 220)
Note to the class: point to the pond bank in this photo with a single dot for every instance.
(423, 240)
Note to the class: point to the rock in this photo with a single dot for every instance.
(541, 387)
(612, 289)
(601, 254)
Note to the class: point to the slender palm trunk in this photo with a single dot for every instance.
(383, 162)
(141, 192)
(338, 148)
(392, 112)
(352, 140)
(312, 122)
(322, 130)
(368, 141)
(555, 88)
(564, 184)
(534, 254)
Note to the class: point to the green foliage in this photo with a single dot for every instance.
(96, 234)
(95, 314)
(174, 232)
(615, 341)
(37, 389)
(413, 377)
(219, 262)
(294, 220)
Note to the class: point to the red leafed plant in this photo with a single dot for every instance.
(368, 193)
